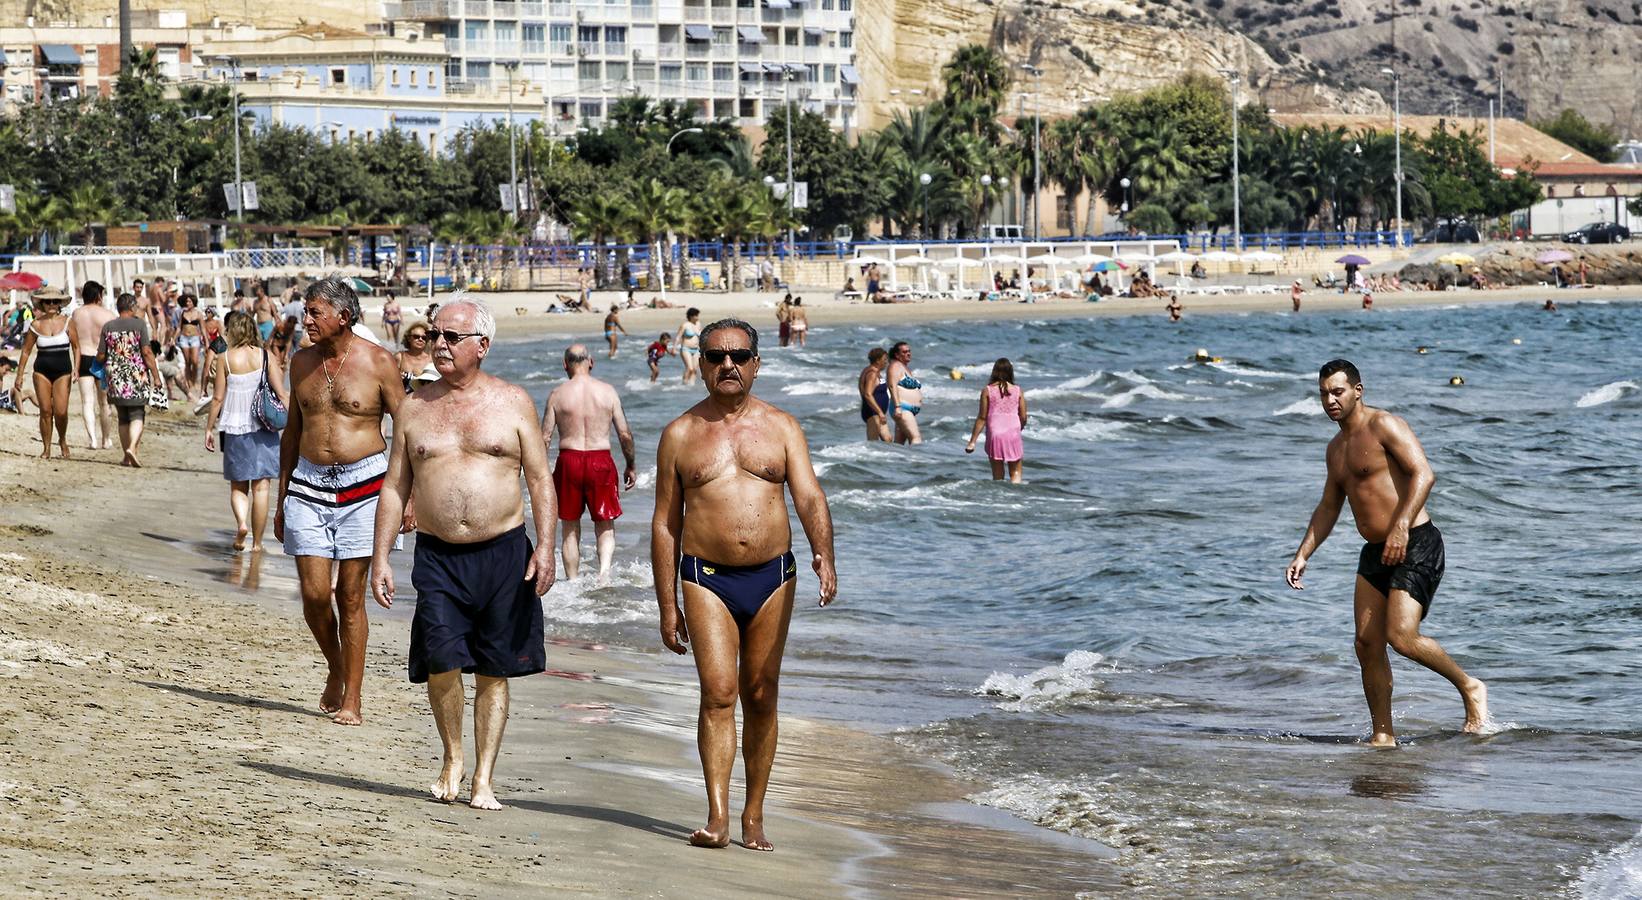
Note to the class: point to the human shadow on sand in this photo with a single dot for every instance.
(234, 699)
(594, 813)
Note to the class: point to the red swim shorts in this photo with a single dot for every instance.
(587, 478)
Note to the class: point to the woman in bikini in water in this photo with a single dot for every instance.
(689, 344)
(906, 395)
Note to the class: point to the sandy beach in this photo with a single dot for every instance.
(162, 738)
(159, 713)
(523, 314)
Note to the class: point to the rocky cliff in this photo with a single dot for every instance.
(1088, 50)
(347, 13)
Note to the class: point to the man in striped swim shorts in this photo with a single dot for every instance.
(332, 460)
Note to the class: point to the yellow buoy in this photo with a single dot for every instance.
(957, 375)
(1456, 381)
(1516, 340)
(1420, 350)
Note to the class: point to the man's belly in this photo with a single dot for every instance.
(736, 534)
(463, 501)
(333, 443)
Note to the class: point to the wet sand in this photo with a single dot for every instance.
(158, 716)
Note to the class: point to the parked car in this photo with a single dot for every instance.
(1450, 233)
(1598, 233)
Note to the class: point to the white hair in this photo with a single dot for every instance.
(483, 321)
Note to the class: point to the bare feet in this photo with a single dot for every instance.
(348, 714)
(482, 797)
(239, 538)
(131, 460)
(63, 450)
(46, 453)
(1476, 706)
(449, 785)
(752, 835)
(1382, 739)
(108, 444)
(331, 701)
(714, 835)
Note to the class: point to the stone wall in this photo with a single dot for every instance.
(346, 13)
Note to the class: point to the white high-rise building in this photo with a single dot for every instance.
(722, 58)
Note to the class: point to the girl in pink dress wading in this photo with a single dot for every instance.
(1003, 412)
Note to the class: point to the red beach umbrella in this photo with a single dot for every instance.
(21, 281)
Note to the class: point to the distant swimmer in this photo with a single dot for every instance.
(582, 411)
(1174, 309)
(463, 442)
(1377, 464)
(1003, 413)
(1294, 293)
(721, 523)
(875, 395)
(653, 354)
(612, 324)
(1550, 306)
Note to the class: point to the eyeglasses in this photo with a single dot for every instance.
(717, 357)
(452, 337)
(417, 336)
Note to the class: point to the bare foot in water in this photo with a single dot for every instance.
(483, 797)
(714, 835)
(752, 836)
(239, 538)
(449, 785)
(1476, 707)
(331, 701)
(1382, 739)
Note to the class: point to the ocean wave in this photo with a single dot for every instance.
(829, 388)
(668, 382)
(1064, 807)
(1075, 387)
(579, 601)
(1607, 393)
(1148, 391)
(1238, 369)
(1087, 430)
(1614, 874)
(1309, 406)
(1073, 679)
(948, 496)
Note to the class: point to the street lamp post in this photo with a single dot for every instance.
(923, 231)
(512, 142)
(1237, 181)
(1037, 146)
(786, 114)
(1127, 196)
(239, 184)
(1397, 126)
(681, 131)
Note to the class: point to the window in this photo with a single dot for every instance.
(589, 34)
(393, 76)
(413, 73)
(506, 34)
(589, 71)
(1064, 212)
(671, 74)
(644, 72)
(723, 37)
(695, 72)
(723, 72)
(339, 76)
(615, 35)
(615, 71)
(591, 109)
(433, 78)
(534, 38)
(829, 74)
(478, 33)
(749, 109)
(790, 37)
(558, 35)
(843, 5)
(846, 39)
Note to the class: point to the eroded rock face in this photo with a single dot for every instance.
(344, 13)
(1089, 50)
(1516, 265)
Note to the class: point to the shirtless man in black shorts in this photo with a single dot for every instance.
(1377, 464)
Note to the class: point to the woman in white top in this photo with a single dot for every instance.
(56, 358)
(250, 452)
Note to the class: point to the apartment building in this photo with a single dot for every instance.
(737, 59)
(48, 60)
(353, 86)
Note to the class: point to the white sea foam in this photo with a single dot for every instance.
(1237, 369)
(578, 602)
(1075, 677)
(926, 497)
(1613, 875)
(1607, 393)
(829, 388)
(1063, 806)
(668, 382)
(1086, 430)
(1309, 406)
(1075, 387)
(1148, 391)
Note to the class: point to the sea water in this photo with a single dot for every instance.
(1110, 648)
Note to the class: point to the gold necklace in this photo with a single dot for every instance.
(330, 380)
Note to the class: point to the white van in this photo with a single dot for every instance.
(1002, 233)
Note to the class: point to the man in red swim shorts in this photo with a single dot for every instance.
(584, 477)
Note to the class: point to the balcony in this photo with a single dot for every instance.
(668, 51)
(477, 9)
(697, 50)
(559, 9)
(587, 48)
(505, 9)
(506, 49)
(533, 48)
(531, 9)
(429, 9)
(643, 10)
(615, 48)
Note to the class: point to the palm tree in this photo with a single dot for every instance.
(598, 217)
(37, 217)
(656, 210)
(90, 204)
(976, 74)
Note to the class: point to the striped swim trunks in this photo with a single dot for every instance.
(330, 510)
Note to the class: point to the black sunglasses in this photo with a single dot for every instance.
(717, 357)
(452, 337)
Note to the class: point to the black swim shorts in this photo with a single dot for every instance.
(1419, 573)
(474, 609)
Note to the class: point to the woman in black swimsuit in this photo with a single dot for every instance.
(55, 360)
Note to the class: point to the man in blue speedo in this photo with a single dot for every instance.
(721, 523)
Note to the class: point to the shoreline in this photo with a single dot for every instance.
(759, 309)
(164, 739)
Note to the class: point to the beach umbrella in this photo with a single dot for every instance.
(959, 263)
(361, 286)
(1456, 258)
(913, 260)
(21, 281)
(869, 261)
(1352, 259)
(1110, 265)
(1047, 259)
(1554, 256)
(1177, 256)
(1220, 256)
(1089, 259)
(1268, 256)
